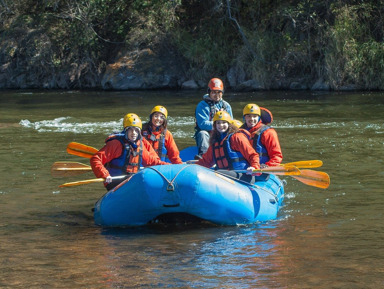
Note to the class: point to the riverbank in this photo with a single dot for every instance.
(161, 44)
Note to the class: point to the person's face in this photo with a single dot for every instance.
(221, 126)
(251, 119)
(158, 119)
(133, 133)
(216, 95)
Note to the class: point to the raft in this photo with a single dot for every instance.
(189, 189)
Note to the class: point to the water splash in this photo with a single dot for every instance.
(69, 124)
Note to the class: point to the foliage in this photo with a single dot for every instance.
(339, 41)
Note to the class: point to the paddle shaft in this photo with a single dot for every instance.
(85, 182)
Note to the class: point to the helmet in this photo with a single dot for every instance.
(222, 115)
(237, 123)
(215, 84)
(127, 116)
(251, 108)
(161, 109)
(132, 119)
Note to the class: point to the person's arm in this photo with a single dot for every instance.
(239, 142)
(270, 140)
(172, 150)
(207, 159)
(148, 146)
(202, 116)
(150, 158)
(113, 149)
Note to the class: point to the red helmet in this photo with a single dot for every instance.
(216, 84)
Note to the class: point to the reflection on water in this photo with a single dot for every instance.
(322, 238)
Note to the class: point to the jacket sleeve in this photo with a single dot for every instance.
(270, 140)
(112, 149)
(239, 142)
(202, 116)
(172, 150)
(207, 158)
(148, 146)
(150, 158)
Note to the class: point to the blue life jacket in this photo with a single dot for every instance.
(130, 160)
(259, 147)
(227, 158)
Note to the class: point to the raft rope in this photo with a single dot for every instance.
(171, 186)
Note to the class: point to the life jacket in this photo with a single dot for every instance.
(157, 142)
(130, 160)
(258, 146)
(227, 158)
(212, 109)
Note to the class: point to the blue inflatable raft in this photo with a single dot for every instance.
(192, 190)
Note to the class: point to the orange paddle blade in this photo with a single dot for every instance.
(81, 150)
(67, 169)
(314, 178)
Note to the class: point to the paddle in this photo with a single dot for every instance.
(81, 150)
(309, 177)
(277, 170)
(314, 178)
(305, 164)
(68, 169)
(85, 182)
(186, 154)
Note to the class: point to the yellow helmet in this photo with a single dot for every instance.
(222, 115)
(237, 123)
(132, 119)
(251, 108)
(161, 109)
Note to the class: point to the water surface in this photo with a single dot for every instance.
(322, 239)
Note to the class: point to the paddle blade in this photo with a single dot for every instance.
(67, 169)
(314, 178)
(81, 150)
(305, 164)
(79, 183)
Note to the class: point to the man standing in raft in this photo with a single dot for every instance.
(123, 154)
(263, 138)
(205, 110)
(229, 148)
(156, 133)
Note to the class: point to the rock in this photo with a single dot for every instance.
(235, 75)
(190, 84)
(249, 85)
(321, 85)
(144, 69)
(296, 85)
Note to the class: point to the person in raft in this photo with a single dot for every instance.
(123, 154)
(156, 133)
(263, 138)
(212, 102)
(230, 149)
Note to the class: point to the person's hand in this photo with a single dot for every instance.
(250, 170)
(263, 166)
(108, 180)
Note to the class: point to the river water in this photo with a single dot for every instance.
(329, 238)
